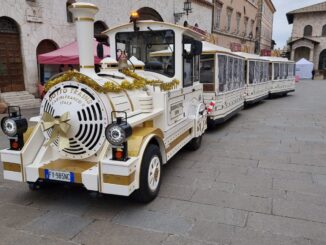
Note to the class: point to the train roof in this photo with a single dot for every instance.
(278, 59)
(249, 56)
(156, 25)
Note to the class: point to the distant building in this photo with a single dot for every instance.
(244, 25)
(308, 38)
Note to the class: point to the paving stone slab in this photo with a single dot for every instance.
(199, 211)
(104, 232)
(155, 221)
(13, 215)
(287, 226)
(57, 225)
(233, 200)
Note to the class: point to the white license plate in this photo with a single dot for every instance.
(59, 175)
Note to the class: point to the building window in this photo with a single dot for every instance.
(323, 33)
(238, 22)
(70, 17)
(229, 18)
(217, 15)
(252, 24)
(246, 19)
(307, 31)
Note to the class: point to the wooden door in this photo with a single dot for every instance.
(11, 66)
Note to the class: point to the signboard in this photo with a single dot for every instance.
(235, 47)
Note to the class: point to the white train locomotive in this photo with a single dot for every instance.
(112, 131)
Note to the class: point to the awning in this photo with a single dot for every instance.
(69, 55)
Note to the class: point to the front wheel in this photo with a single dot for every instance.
(150, 175)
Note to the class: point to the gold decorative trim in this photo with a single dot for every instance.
(87, 67)
(82, 6)
(178, 140)
(138, 136)
(109, 86)
(84, 19)
(13, 167)
(118, 179)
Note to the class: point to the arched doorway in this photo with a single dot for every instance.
(99, 27)
(147, 13)
(45, 46)
(11, 65)
(322, 60)
(302, 52)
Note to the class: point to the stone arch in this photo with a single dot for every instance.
(45, 46)
(323, 32)
(11, 62)
(99, 27)
(147, 13)
(322, 60)
(307, 31)
(302, 52)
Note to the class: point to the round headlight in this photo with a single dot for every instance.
(9, 127)
(115, 134)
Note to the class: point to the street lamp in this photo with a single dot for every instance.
(186, 8)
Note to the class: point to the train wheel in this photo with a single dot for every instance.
(195, 143)
(150, 175)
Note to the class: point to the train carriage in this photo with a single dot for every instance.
(282, 76)
(223, 79)
(258, 80)
(112, 131)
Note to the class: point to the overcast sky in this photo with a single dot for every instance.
(282, 30)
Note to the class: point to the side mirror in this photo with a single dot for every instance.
(196, 47)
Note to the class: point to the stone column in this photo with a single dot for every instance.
(292, 53)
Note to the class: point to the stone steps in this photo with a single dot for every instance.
(22, 98)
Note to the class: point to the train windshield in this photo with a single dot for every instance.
(154, 48)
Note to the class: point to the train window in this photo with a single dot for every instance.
(230, 74)
(270, 75)
(282, 71)
(196, 67)
(251, 72)
(286, 70)
(143, 44)
(222, 63)
(257, 72)
(207, 71)
(276, 71)
(235, 74)
(262, 72)
(242, 73)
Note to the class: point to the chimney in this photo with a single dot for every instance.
(84, 14)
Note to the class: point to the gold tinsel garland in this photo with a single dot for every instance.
(138, 82)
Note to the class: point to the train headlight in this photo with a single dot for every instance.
(117, 134)
(14, 126)
(9, 126)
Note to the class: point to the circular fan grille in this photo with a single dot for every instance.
(88, 118)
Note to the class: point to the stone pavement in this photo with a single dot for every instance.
(260, 179)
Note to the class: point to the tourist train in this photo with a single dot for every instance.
(113, 130)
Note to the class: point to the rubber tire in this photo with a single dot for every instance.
(144, 194)
(194, 144)
(34, 186)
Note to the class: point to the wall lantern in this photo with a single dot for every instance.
(186, 8)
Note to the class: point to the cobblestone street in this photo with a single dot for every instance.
(260, 179)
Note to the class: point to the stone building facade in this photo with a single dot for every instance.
(308, 39)
(244, 25)
(32, 27)
(265, 25)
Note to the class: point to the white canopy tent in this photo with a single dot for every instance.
(304, 69)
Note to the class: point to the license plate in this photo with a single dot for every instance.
(59, 175)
